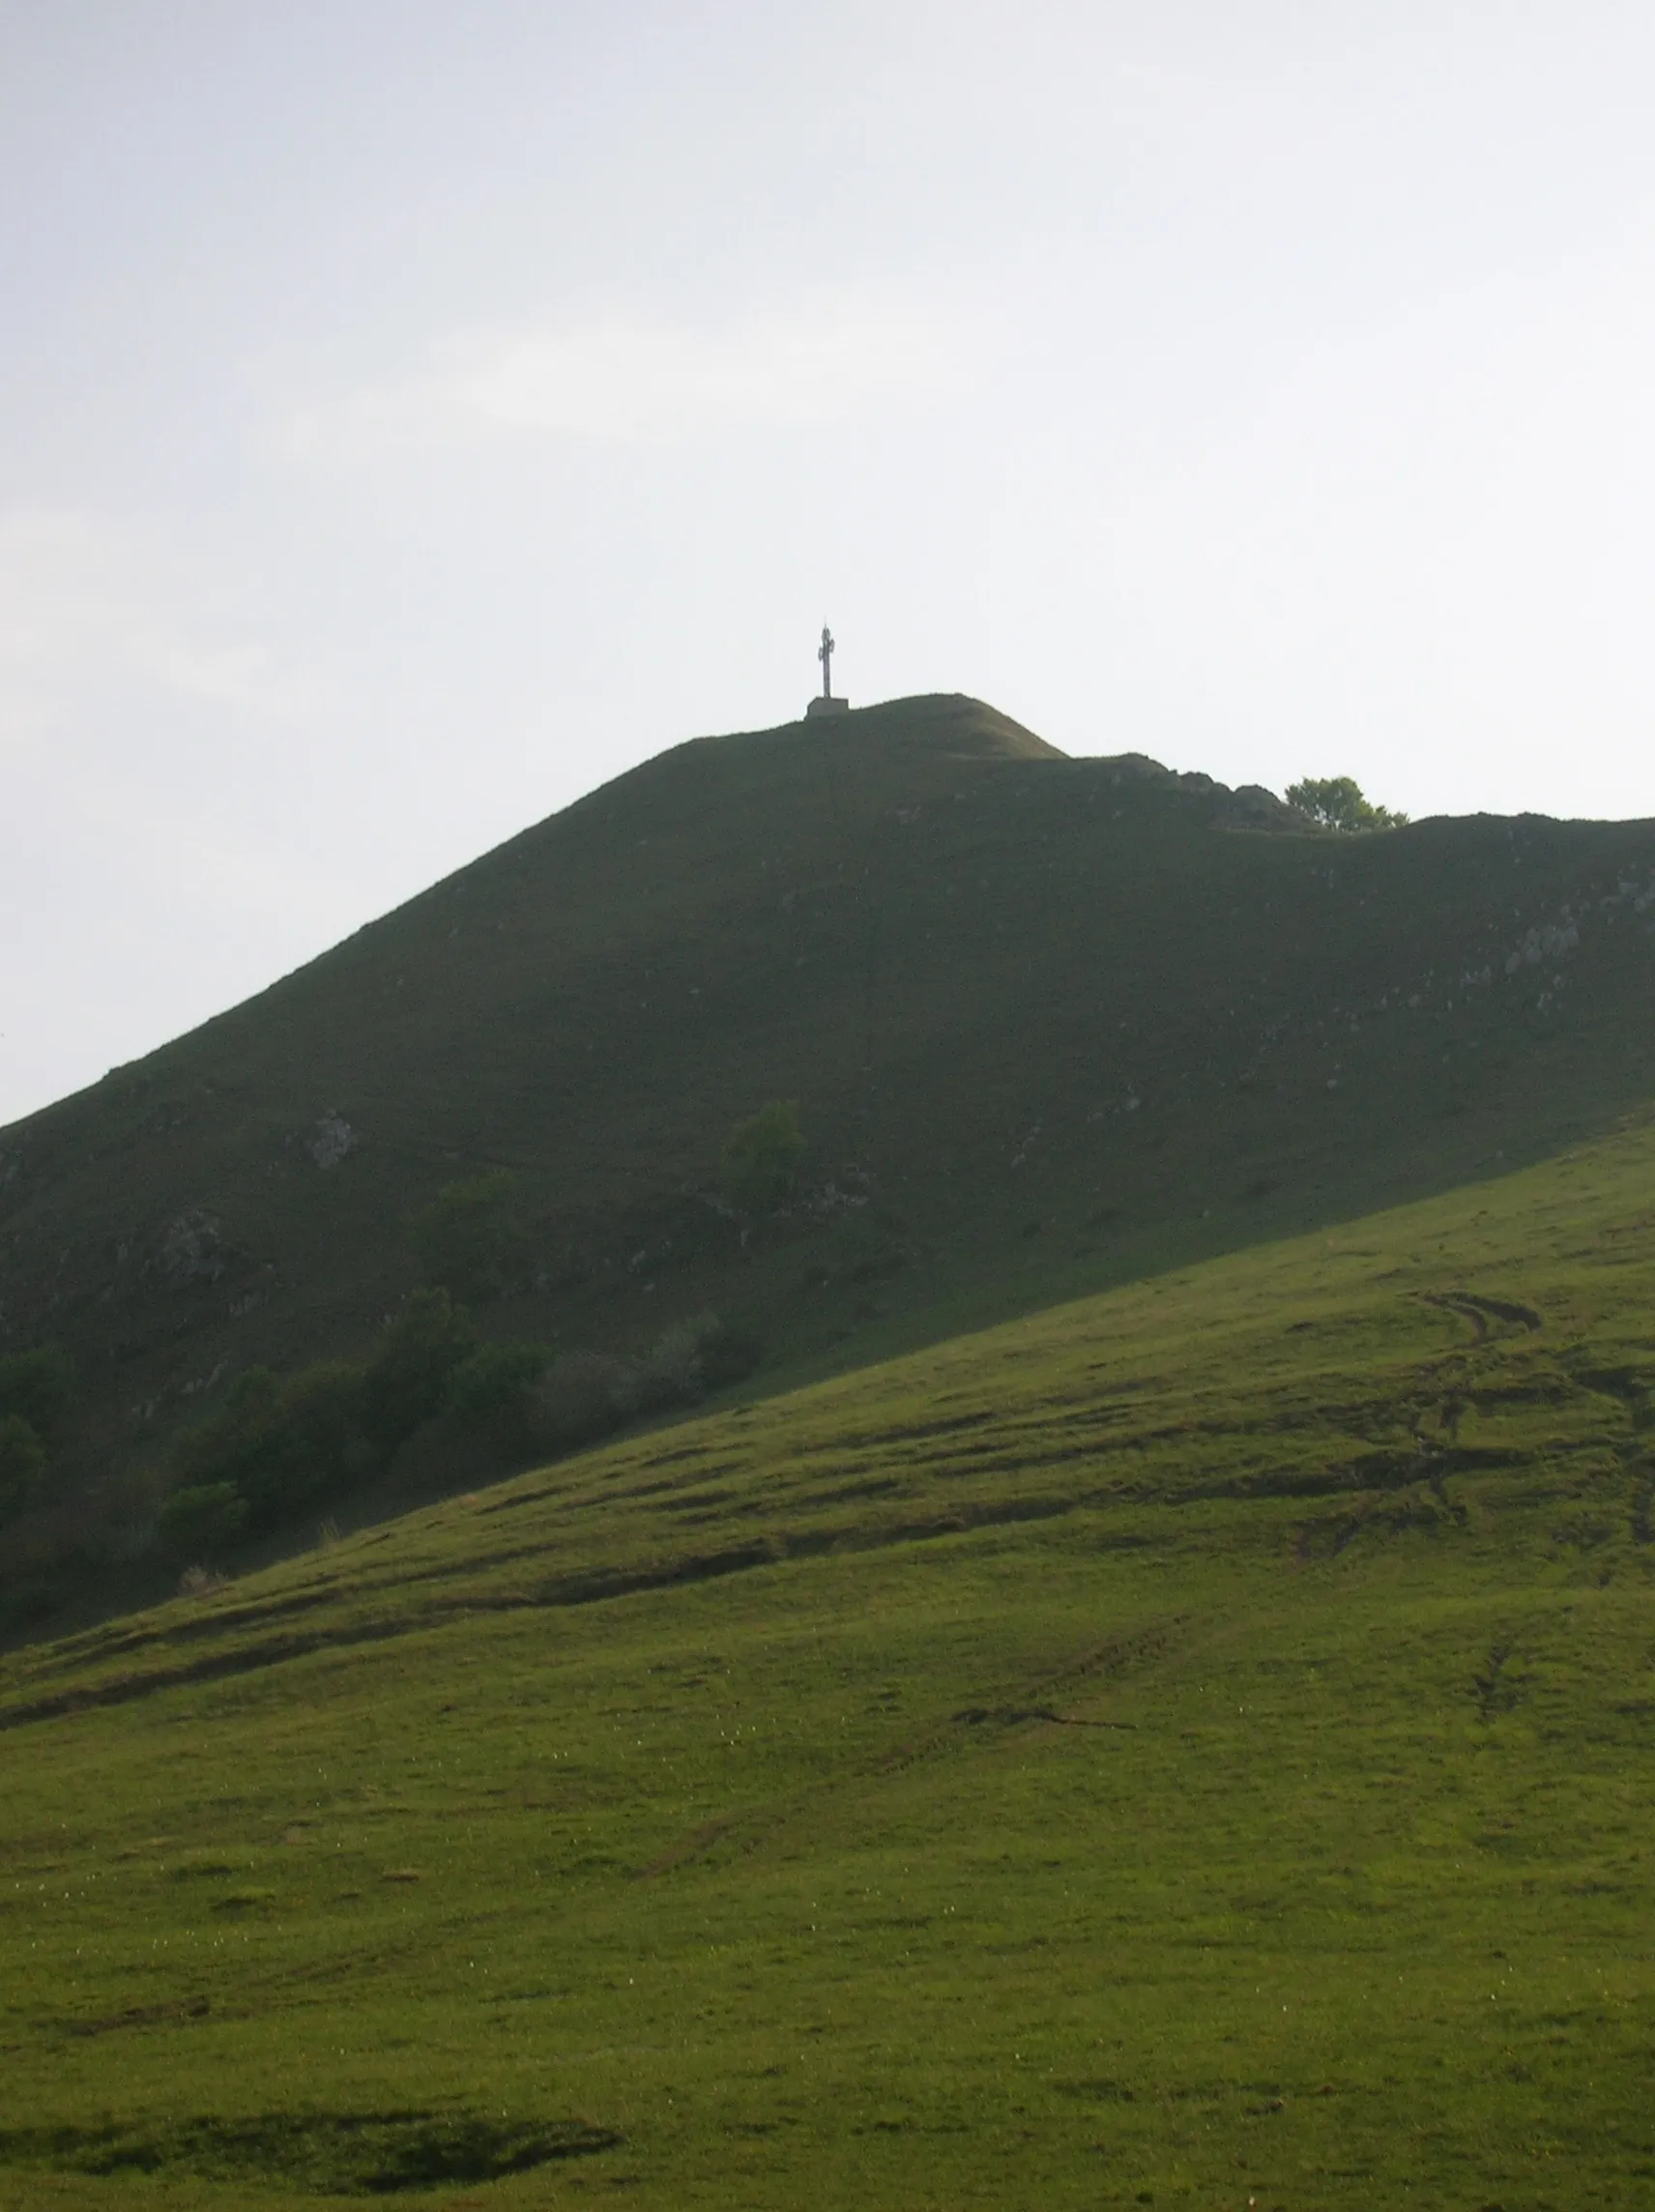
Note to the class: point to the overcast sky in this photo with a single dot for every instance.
(413, 413)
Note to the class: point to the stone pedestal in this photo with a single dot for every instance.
(821, 706)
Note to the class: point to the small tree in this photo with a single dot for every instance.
(496, 1381)
(279, 1440)
(760, 1158)
(469, 1240)
(1336, 802)
(320, 1438)
(407, 1380)
(202, 1520)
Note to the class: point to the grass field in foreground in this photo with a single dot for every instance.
(1194, 1747)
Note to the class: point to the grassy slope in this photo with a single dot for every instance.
(1192, 1746)
(1060, 1023)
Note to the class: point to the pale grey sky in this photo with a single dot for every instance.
(413, 414)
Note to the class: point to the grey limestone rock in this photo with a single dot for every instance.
(332, 1140)
(192, 1249)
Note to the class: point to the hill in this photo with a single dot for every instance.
(1053, 1024)
(1190, 1747)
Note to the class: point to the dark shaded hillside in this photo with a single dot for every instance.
(1052, 1022)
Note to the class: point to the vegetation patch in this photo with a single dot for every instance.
(341, 2154)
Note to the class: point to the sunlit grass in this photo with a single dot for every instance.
(1193, 1746)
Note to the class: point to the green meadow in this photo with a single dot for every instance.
(1195, 1746)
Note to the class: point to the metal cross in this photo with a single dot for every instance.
(824, 655)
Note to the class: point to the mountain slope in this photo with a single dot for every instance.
(1189, 1747)
(1053, 1024)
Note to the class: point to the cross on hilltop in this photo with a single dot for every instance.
(826, 702)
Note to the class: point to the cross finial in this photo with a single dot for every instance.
(824, 655)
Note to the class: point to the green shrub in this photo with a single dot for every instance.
(669, 1374)
(584, 1396)
(222, 1447)
(760, 1158)
(202, 1518)
(687, 1360)
(38, 1388)
(496, 1379)
(468, 1239)
(280, 1444)
(23, 1465)
(320, 1442)
(1336, 802)
(281, 1441)
(407, 1380)
(436, 1406)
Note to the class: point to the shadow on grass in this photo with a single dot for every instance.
(361, 2153)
